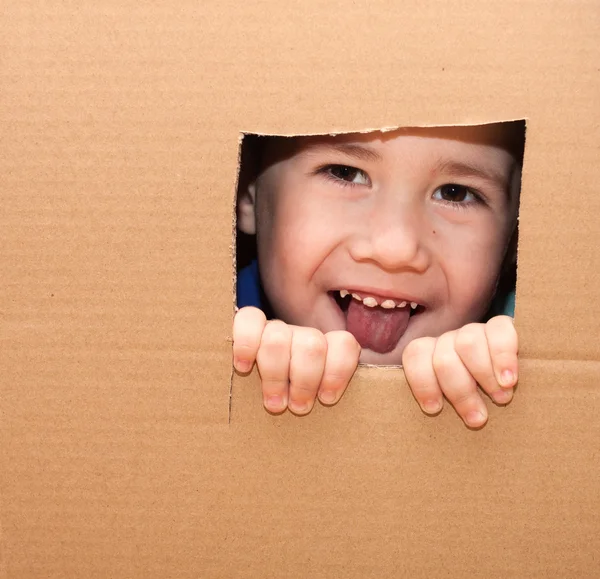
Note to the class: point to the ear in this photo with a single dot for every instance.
(246, 210)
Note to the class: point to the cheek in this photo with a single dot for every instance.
(294, 228)
(287, 248)
(472, 261)
(292, 249)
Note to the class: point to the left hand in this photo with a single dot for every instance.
(456, 363)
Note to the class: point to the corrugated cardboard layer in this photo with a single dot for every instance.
(119, 131)
(368, 489)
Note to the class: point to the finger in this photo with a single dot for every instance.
(273, 361)
(456, 383)
(503, 344)
(307, 363)
(343, 352)
(417, 363)
(471, 345)
(248, 326)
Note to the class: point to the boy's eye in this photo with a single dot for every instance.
(348, 174)
(453, 193)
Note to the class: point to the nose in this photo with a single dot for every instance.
(395, 236)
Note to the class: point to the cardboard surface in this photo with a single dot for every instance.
(368, 489)
(119, 136)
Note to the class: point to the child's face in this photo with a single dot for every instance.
(417, 215)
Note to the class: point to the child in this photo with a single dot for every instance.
(383, 248)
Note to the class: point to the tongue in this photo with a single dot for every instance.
(376, 328)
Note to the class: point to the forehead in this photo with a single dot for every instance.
(507, 136)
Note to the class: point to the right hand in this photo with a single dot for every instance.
(295, 364)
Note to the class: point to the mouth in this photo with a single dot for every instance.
(344, 297)
(377, 322)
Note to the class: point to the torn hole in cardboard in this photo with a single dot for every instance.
(391, 235)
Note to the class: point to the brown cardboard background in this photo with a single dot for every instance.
(119, 132)
(365, 490)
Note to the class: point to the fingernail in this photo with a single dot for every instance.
(274, 403)
(507, 378)
(432, 406)
(299, 407)
(503, 396)
(242, 365)
(327, 396)
(475, 418)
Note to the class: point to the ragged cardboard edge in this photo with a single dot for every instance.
(243, 134)
(385, 129)
(233, 253)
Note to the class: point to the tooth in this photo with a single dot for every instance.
(388, 304)
(344, 293)
(402, 305)
(414, 305)
(370, 302)
(357, 297)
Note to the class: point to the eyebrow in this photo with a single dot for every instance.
(461, 169)
(360, 152)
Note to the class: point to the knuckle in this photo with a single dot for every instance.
(468, 338)
(336, 379)
(273, 386)
(500, 357)
(443, 361)
(251, 311)
(250, 315)
(423, 391)
(244, 349)
(418, 349)
(502, 339)
(276, 335)
(312, 343)
(299, 389)
(333, 381)
(343, 340)
(501, 325)
(501, 320)
(462, 397)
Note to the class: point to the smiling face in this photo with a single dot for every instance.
(391, 236)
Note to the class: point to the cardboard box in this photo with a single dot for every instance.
(127, 448)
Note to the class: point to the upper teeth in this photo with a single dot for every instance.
(371, 302)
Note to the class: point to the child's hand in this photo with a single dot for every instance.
(456, 362)
(295, 364)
